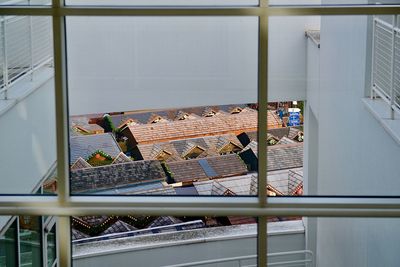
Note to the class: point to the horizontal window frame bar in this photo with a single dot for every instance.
(200, 11)
(246, 206)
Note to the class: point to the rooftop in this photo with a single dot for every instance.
(207, 168)
(181, 149)
(84, 145)
(116, 175)
(204, 126)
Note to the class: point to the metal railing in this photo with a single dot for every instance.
(25, 46)
(288, 258)
(386, 62)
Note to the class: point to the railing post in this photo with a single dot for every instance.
(372, 96)
(5, 69)
(31, 44)
(394, 32)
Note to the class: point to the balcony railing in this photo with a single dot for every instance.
(25, 46)
(289, 258)
(386, 62)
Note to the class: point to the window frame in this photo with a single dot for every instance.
(64, 205)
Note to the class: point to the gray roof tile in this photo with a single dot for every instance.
(84, 145)
(116, 175)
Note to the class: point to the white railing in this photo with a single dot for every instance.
(289, 258)
(25, 46)
(386, 62)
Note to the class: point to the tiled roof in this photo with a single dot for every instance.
(93, 221)
(179, 148)
(121, 158)
(164, 220)
(285, 140)
(186, 191)
(80, 163)
(76, 234)
(281, 157)
(235, 220)
(84, 145)
(293, 132)
(132, 189)
(295, 180)
(217, 125)
(239, 185)
(116, 175)
(218, 189)
(285, 181)
(211, 167)
(118, 227)
(166, 190)
(90, 128)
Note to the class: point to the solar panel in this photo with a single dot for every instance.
(207, 168)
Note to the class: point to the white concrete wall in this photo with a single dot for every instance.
(117, 64)
(355, 156)
(192, 251)
(27, 137)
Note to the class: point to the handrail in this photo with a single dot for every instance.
(21, 54)
(307, 261)
(385, 77)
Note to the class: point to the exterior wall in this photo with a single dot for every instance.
(287, 57)
(145, 62)
(27, 138)
(355, 155)
(196, 250)
(204, 72)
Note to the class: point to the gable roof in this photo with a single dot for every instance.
(164, 220)
(285, 140)
(207, 168)
(80, 163)
(76, 234)
(116, 175)
(178, 148)
(121, 158)
(217, 125)
(84, 145)
(280, 157)
(118, 227)
(288, 156)
(239, 185)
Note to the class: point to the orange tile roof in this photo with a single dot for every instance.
(221, 124)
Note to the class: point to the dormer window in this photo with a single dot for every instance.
(194, 152)
(236, 110)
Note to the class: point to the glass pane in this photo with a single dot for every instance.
(175, 240)
(348, 77)
(164, 3)
(26, 103)
(8, 245)
(51, 246)
(31, 240)
(24, 2)
(330, 2)
(336, 242)
(182, 100)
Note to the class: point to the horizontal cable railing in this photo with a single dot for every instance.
(386, 62)
(288, 258)
(25, 46)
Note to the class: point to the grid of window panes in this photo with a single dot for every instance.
(30, 226)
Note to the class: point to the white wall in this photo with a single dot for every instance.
(152, 254)
(27, 138)
(117, 64)
(355, 154)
